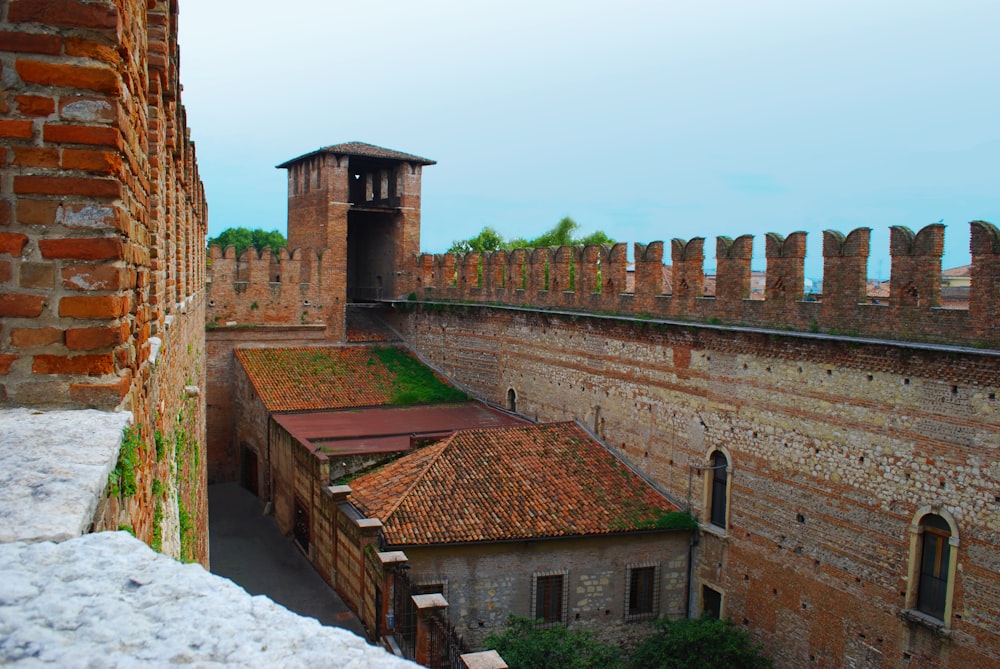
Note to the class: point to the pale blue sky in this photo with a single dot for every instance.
(649, 120)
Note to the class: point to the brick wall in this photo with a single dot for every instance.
(301, 288)
(102, 224)
(834, 446)
(223, 390)
(594, 279)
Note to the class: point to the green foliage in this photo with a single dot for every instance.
(526, 645)
(244, 238)
(702, 643)
(161, 446)
(157, 544)
(670, 520)
(121, 480)
(488, 239)
(414, 382)
(186, 531)
(562, 234)
(127, 528)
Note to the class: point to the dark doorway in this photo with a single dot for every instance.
(711, 602)
(511, 401)
(301, 528)
(248, 469)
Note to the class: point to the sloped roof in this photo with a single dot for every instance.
(311, 378)
(529, 482)
(362, 150)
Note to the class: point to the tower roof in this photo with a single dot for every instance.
(362, 150)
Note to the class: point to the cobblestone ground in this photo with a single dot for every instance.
(247, 548)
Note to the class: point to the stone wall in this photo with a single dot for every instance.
(834, 445)
(102, 228)
(594, 279)
(485, 583)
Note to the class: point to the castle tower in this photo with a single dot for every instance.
(360, 203)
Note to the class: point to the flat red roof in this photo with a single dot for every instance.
(387, 429)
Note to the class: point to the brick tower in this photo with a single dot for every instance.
(362, 204)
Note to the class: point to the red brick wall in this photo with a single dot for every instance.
(102, 226)
(834, 446)
(912, 312)
(224, 409)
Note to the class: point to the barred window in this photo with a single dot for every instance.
(642, 592)
(549, 597)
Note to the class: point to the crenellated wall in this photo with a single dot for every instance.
(102, 254)
(593, 279)
(301, 288)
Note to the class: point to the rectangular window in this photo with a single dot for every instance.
(642, 592)
(549, 597)
(711, 602)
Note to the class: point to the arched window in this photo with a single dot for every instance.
(935, 560)
(511, 400)
(933, 557)
(718, 495)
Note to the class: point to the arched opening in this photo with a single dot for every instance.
(511, 400)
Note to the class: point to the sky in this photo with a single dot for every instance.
(647, 120)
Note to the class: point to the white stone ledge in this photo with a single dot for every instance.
(54, 467)
(108, 600)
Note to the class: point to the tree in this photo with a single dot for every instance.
(487, 240)
(244, 238)
(524, 645)
(559, 235)
(698, 643)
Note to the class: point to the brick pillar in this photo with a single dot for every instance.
(516, 273)
(494, 265)
(648, 276)
(392, 562)
(336, 495)
(984, 303)
(688, 280)
(587, 280)
(468, 275)
(427, 606)
(613, 273)
(915, 279)
(559, 270)
(785, 267)
(732, 273)
(537, 285)
(845, 278)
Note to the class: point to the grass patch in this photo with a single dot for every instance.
(121, 480)
(413, 382)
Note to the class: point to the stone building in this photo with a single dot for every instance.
(540, 521)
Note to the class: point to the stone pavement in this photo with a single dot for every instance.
(247, 548)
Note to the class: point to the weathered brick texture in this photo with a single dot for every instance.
(833, 445)
(102, 243)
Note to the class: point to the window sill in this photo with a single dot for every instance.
(714, 530)
(930, 622)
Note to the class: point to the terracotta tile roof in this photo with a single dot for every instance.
(362, 150)
(534, 481)
(310, 378)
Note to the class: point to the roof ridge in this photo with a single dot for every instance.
(444, 444)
